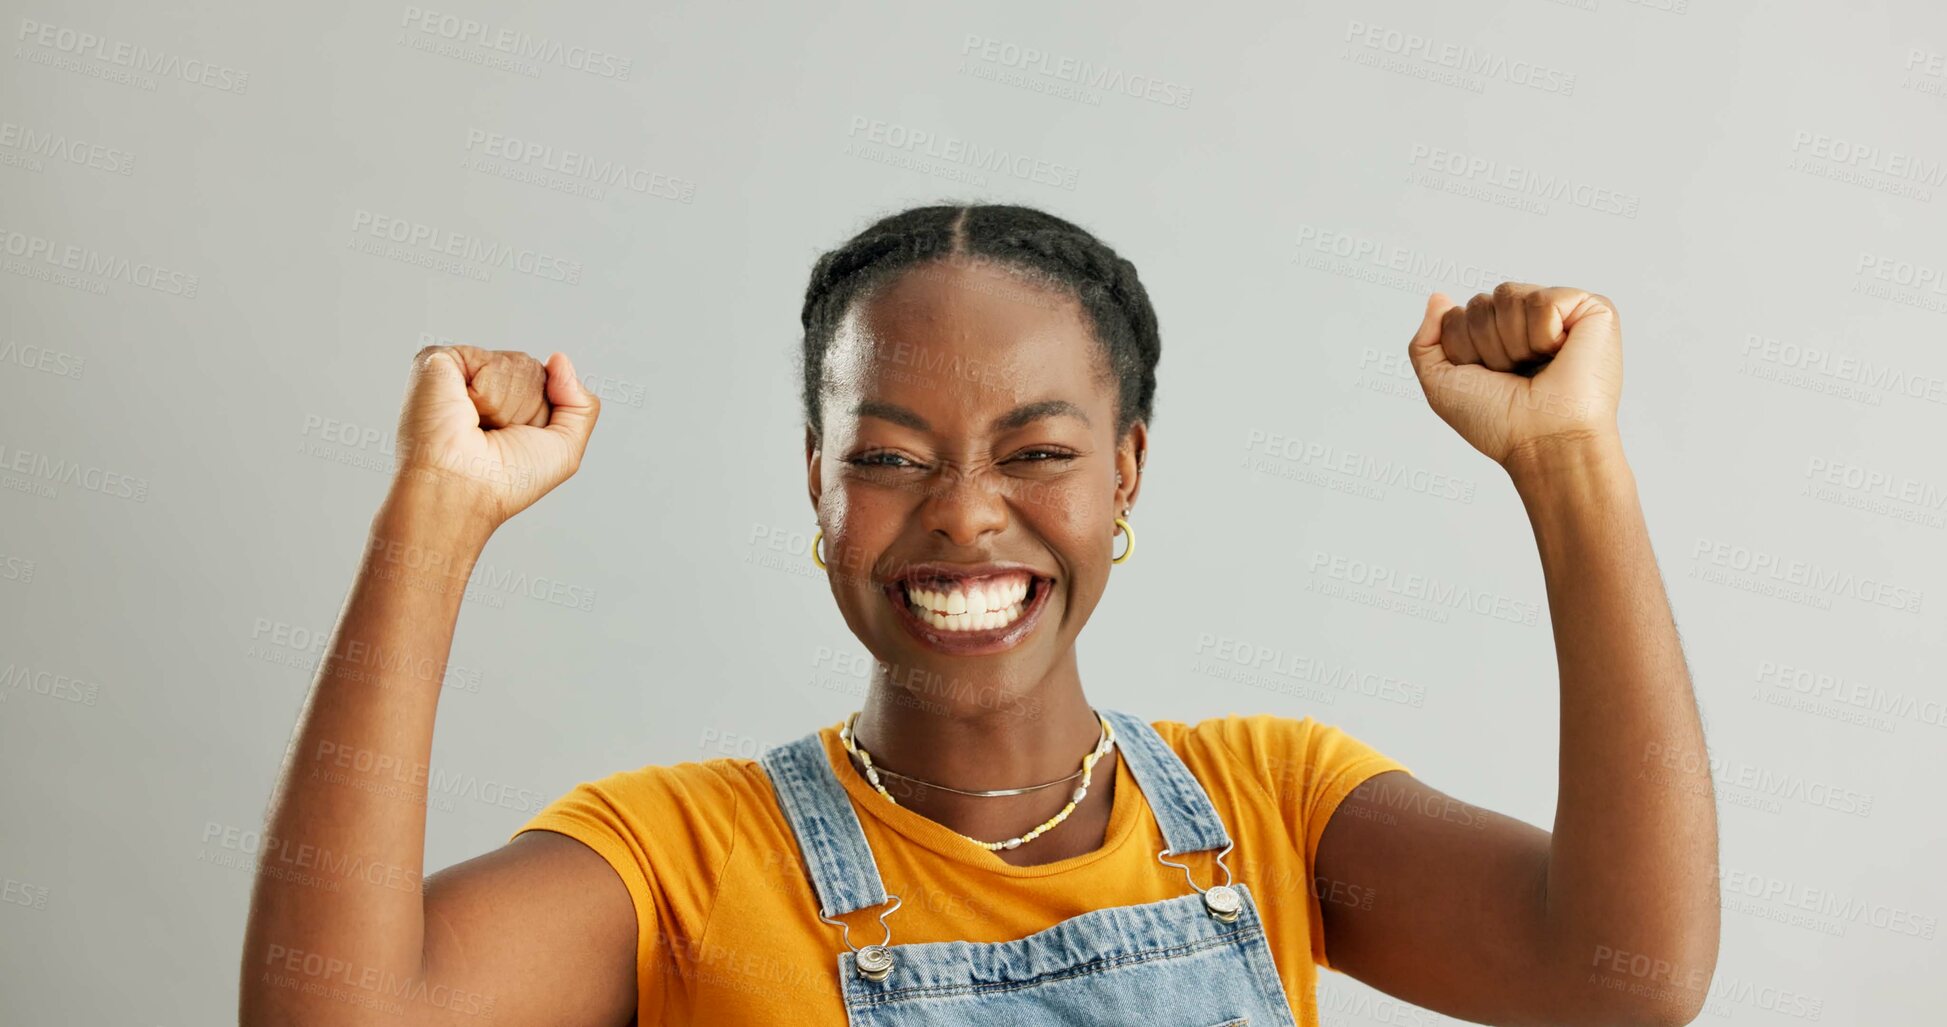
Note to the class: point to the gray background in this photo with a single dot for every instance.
(164, 606)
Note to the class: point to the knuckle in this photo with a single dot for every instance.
(1506, 291)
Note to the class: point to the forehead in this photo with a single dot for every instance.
(958, 340)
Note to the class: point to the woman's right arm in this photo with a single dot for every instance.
(341, 928)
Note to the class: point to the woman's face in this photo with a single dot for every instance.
(967, 479)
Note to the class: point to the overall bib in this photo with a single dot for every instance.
(1199, 960)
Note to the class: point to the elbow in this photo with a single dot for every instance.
(1629, 988)
(1667, 1007)
(1698, 944)
(1671, 1012)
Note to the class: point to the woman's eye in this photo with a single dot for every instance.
(898, 461)
(877, 460)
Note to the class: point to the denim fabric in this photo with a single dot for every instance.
(1183, 811)
(1167, 963)
(837, 859)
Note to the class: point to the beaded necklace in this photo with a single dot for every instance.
(1102, 747)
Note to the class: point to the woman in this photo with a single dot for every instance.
(981, 843)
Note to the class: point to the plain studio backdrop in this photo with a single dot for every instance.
(227, 229)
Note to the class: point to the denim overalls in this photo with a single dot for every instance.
(1198, 960)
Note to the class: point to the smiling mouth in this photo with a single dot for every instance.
(970, 604)
(968, 615)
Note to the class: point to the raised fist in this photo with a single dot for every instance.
(1522, 366)
(497, 428)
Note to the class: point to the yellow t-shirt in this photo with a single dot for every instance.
(728, 928)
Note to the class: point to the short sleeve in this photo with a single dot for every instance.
(588, 814)
(1310, 768)
(665, 831)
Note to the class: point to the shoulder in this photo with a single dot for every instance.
(1295, 760)
(1263, 743)
(664, 817)
(700, 791)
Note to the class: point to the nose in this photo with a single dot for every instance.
(964, 505)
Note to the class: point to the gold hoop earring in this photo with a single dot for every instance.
(815, 558)
(1130, 534)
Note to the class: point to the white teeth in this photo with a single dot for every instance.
(991, 605)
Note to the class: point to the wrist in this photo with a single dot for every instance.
(1568, 460)
(449, 525)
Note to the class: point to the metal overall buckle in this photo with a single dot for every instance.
(1219, 900)
(874, 962)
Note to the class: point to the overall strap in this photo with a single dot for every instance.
(836, 855)
(1183, 810)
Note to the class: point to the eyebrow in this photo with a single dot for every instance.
(1018, 417)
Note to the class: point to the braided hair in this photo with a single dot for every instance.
(1043, 247)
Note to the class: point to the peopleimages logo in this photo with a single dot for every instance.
(515, 43)
(89, 261)
(76, 43)
(1718, 559)
(954, 150)
(53, 470)
(1861, 695)
(1363, 467)
(1834, 373)
(1524, 181)
(1434, 594)
(1036, 61)
(54, 685)
(60, 147)
(1410, 262)
(1867, 157)
(1302, 667)
(1463, 59)
(449, 251)
(41, 358)
(580, 166)
(1826, 902)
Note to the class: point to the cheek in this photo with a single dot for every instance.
(861, 515)
(859, 525)
(1068, 514)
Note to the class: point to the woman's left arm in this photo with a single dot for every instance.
(1612, 918)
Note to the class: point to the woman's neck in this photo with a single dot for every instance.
(982, 736)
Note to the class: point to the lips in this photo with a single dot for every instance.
(969, 609)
